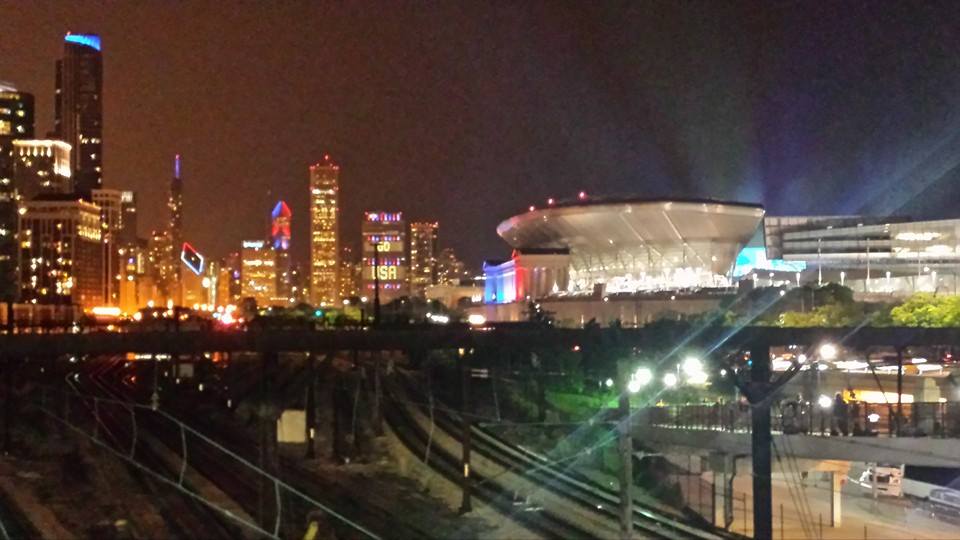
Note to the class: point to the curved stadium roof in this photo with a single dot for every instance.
(620, 237)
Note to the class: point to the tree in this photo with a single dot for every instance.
(927, 310)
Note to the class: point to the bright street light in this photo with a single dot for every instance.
(691, 366)
(476, 319)
(633, 386)
(669, 380)
(609, 383)
(828, 351)
(824, 401)
(643, 376)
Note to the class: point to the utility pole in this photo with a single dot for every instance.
(899, 389)
(465, 435)
(376, 284)
(761, 440)
(311, 412)
(269, 413)
(625, 447)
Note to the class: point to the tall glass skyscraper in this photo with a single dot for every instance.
(78, 118)
(324, 236)
(170, 270)
(16, 122)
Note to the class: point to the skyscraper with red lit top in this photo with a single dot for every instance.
(324, 235)
(280, 241)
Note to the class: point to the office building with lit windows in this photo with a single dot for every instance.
(423, 256)
(61, 252)
(450, 269)
(128, 216)
(78, 117)
(110, 202)
(16, 122)
(258, 274)
(41, 167)
(350, 272)
(384, 255)
(16, 112)
(324, 234)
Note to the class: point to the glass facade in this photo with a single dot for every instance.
(79, 108)
(869, 254)
(259, 272)
(60, 246)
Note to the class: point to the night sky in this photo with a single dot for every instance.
(467, 112)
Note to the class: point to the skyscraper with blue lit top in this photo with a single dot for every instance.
(78, 118)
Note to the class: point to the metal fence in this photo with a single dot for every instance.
(923, 419)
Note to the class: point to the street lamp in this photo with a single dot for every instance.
(691, 366)
(643, 376)
(828, 351)
(670, 380)
(824, 401)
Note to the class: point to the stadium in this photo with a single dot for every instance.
(586, 251)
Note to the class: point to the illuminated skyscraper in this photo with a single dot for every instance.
(172, 273)
(128, 216)
(450, 270)
(349, 274)
(41, 167)
(259, 273)
(280, 239)
(423, 256)
(386, 233)
(61, 251)
(16, 121)
(324, 237)
(78, 118)
(109, 201)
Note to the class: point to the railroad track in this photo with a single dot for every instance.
(577, 490)
(186, 518)
(351, 503)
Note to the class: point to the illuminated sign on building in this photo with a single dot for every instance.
(753, 259)
(385, 217)
(191, 258)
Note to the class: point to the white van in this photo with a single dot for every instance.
(889, 479)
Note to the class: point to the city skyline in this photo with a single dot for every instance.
(523, 123)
